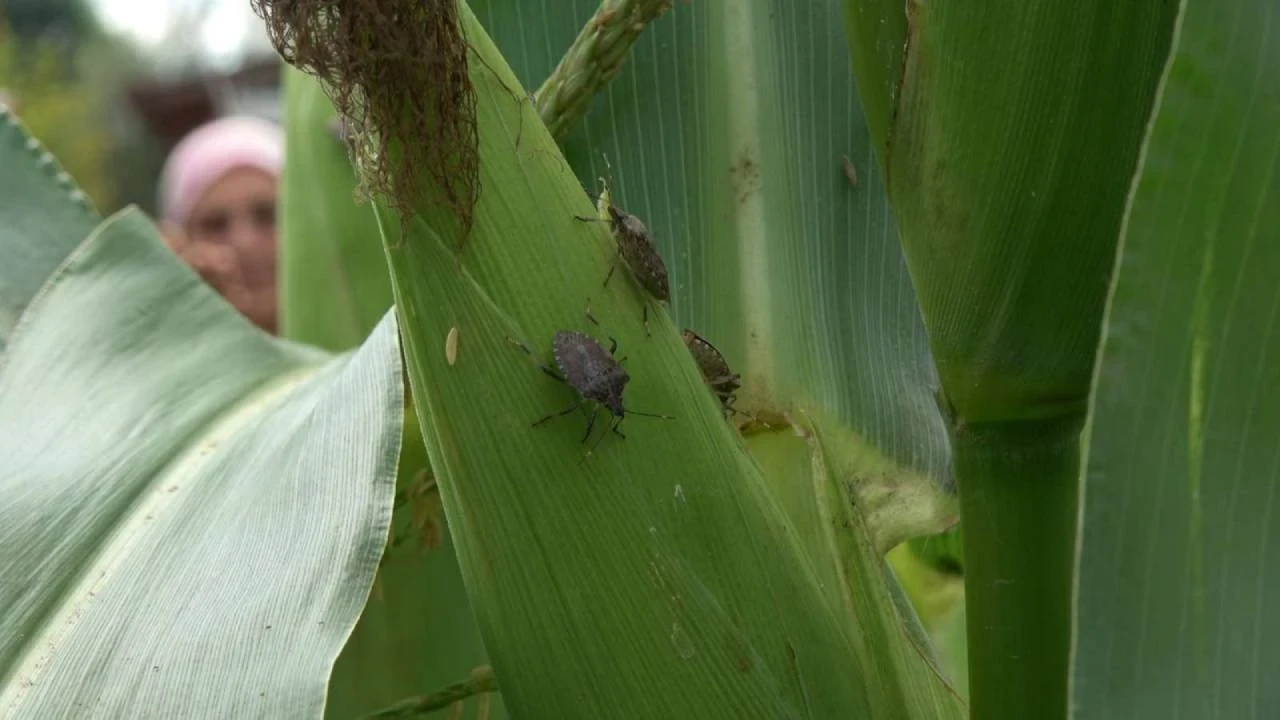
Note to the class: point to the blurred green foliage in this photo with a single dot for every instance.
(39, 83)
(66, 76)
(67, 22)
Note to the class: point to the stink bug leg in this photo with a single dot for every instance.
(591, 422)
(566, 411)
(613, 428)
(613, 344)
(544, 368)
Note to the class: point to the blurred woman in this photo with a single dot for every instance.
(218, 209)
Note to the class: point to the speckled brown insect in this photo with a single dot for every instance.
(596, 373)
(637, 248)
(639, 252)
(715, 370)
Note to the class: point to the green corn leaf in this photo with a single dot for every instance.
(725, 132)
(1178, 575)
(1011, 136)
(333, 281)
(45, 217)
(191, 512)
(651, 576)
(417, 630)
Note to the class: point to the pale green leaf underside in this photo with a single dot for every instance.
(1180, 552)
(190, 511)
(45, 216)
(793, 272)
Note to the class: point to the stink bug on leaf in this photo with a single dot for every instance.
(596, 373)
(637, 248)
(715, 370)
(640, 252)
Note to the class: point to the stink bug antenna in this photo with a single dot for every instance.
(629, 411)
(605, 189)
(603, 193)
(613, 427)
(544, 368)
(603, 183)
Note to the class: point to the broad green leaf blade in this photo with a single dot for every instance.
(1180, 553)
(654, 576)
(877, 32)
(815, 474)
(333, 281)
(45, 217)
(1009, 164)
(191, 512)
(939, 593)
(1013, 138)
(725, 132)
(417, 632)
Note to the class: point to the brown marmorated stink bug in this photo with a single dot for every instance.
(715, 370)
(637, 248)
(596, 373)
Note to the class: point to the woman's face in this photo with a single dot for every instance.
(239, 212)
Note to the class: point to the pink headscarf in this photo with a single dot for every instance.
(209, 152)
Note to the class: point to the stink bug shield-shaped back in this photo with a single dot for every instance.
(714, 368)
(596, 373)
(640, 252)
(637, 248)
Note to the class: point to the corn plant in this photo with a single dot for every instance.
(1009, 265)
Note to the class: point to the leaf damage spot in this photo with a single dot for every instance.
(745, 175)
(682, 642)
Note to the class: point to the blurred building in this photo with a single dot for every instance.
(172, 107)
(110, 86)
